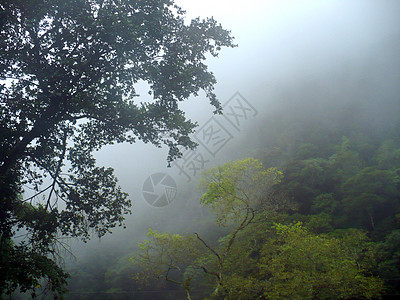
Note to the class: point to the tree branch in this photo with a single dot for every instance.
(208, 247)
(37, 194)
(242, 225)
(58, 169)
(211, 273)
(171, 280)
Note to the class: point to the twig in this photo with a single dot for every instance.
(58, 169)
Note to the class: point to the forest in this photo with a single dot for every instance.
(313, 214)
(298, 199)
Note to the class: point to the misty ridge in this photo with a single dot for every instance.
(292, 192)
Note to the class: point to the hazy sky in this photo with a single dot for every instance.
(281, 44)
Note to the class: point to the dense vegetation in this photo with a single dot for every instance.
(326, 225)
(314, 213)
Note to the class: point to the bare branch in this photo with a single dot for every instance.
(37, 194)
(58, 169)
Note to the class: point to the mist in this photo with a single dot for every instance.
(291, 56)
(311, 62)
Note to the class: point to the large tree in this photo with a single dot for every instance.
(68, 71)
(236, 192)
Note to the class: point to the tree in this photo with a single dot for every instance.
(236, 192)
(388, 254)
(68, 71)
(369, 193)
(168, 256)
(298, 264)
(259, 258)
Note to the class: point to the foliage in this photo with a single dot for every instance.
(235, 191)
(68, 71)
(301, 265)
(388, 253)
(342, 174)
(234, 188)
(170, 251)
(344, 198)
(168, 256)
(260, 258)
(20, 260)
(336, 209)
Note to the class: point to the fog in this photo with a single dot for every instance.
(291, 54)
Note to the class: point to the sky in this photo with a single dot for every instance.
(281, 45)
